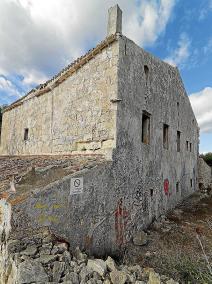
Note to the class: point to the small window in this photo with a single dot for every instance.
(178, 108)
(191, 182)
(178, 141)
(146, 71)
(151, 192)
(125, 49)
(165, 136)
(177, 186)
(187, 143)
(190, 147)
(146, 128)
(26, 134)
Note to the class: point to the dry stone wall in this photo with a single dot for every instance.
(77, 115)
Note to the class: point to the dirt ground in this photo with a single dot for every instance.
(180, 245)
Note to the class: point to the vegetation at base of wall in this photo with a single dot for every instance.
(184, 268)
(207, 158)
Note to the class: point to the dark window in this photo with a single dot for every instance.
(178, 108)
(165, 136)
(177, 186)
(187, 145)
(178, 141)
(191, 182)
(146, 128)
(26, 134)
(146, 71)
(151, 192)
(190, 147)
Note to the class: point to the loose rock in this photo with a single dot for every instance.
(140, 238)
(97, 265)
(118, 277)
(31, 271)
(110, 264)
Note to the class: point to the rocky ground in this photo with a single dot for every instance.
(178, 247)
(40, 257)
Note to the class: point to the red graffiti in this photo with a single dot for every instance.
(166, 186)
(121, 216)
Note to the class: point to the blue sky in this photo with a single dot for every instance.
(38, 38)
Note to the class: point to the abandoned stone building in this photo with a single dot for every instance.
(127, 111)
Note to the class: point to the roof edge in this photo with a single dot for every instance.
(64, 73)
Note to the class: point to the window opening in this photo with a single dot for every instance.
(165, 136)
(146, 128)
(26, 134)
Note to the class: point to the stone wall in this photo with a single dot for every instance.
(159, 178)
(5, 215)
(77, 115)
(142, 181)
(205, 175)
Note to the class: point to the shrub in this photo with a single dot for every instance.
(207, 158)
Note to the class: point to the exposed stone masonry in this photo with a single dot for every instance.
(77, 114)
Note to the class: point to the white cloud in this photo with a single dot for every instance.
(33, 77)
(202, 106)
(203, 13)
(181, 53)
(8, 88)
(150, 21)
(208, 47)
(39, 37)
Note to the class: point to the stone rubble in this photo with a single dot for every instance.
(42, 258)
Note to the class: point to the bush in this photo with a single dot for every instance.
(207, 158)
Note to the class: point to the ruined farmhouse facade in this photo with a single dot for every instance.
(120, 101)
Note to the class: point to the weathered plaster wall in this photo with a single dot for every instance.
(148, 166)
(205, 175)
(76, 115)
